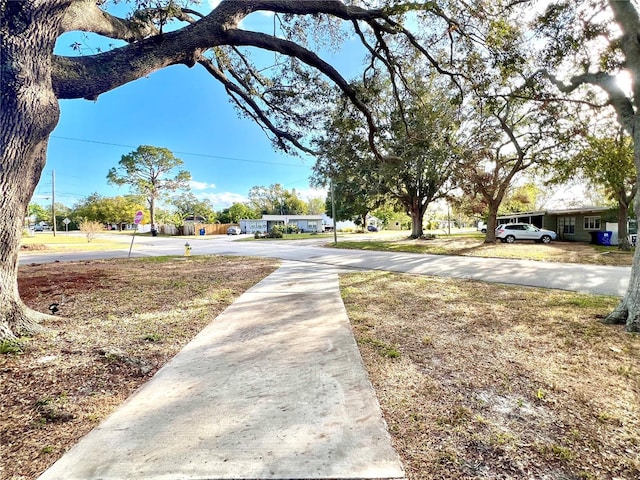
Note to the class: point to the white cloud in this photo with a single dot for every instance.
(201, 185)
(222, 200)
(308, 193)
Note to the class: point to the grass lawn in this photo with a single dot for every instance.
(473, 245)
(488, 381)
(475, 380)
(117, 325)
(63, 242)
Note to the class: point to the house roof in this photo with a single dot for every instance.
(567, 211)
(541, 212)
(291, 217)
(579, 210)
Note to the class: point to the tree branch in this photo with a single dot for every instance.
(86, 16)
(286, 47)
(622, 105)
(255, 111)
(89, 76)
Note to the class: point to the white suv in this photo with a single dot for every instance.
(511, 232)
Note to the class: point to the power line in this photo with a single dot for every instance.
(185, 153)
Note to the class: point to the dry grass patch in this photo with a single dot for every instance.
(63, 242)
(119, 322)
(494, 381)
(473, 246)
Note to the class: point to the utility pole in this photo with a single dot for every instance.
(53, 200)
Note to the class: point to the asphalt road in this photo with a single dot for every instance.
(580, 278)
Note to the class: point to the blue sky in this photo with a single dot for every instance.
(182, 109)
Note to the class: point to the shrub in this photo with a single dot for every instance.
(277, 231)
(91, 229)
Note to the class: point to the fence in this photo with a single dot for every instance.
(209, 228)
(169, 230)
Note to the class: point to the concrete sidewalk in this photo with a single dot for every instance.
(274, 388)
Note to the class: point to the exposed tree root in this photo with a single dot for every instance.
(622, 316)
(22, 321)
(617, 317)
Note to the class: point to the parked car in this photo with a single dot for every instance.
(482, 227)
(372, 228)
(234, 231)
(38, 228)
(510, 232)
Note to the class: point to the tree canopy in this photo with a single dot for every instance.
(418, 129)
(188, 204)
(276, 200)
(108, 210)
(236, 212)
(150, 171)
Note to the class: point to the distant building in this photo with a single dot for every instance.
(304, 223)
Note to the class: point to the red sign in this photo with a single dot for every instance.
(138, 217)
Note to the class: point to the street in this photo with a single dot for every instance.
(574, 277)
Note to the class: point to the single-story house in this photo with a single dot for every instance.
(575, 224)
(305, 223)
(348, 225)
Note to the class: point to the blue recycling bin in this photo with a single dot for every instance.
(604, 238)
(202, 231)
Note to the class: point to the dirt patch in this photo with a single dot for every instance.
(118, 323)
(490, 381)
(34, 247)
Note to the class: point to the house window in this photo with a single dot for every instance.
(313, 226)
(592, 223)
(567, 225)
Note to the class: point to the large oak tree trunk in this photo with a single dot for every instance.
(623, 230)
(628, 311)
(416, 212)
(492, 222)
(29, 112)
(416, 225)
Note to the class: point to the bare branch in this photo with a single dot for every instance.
(255, 111)
(254, 74)
(416, 44)
(385, 60)
(266, 42)
(88, 77)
